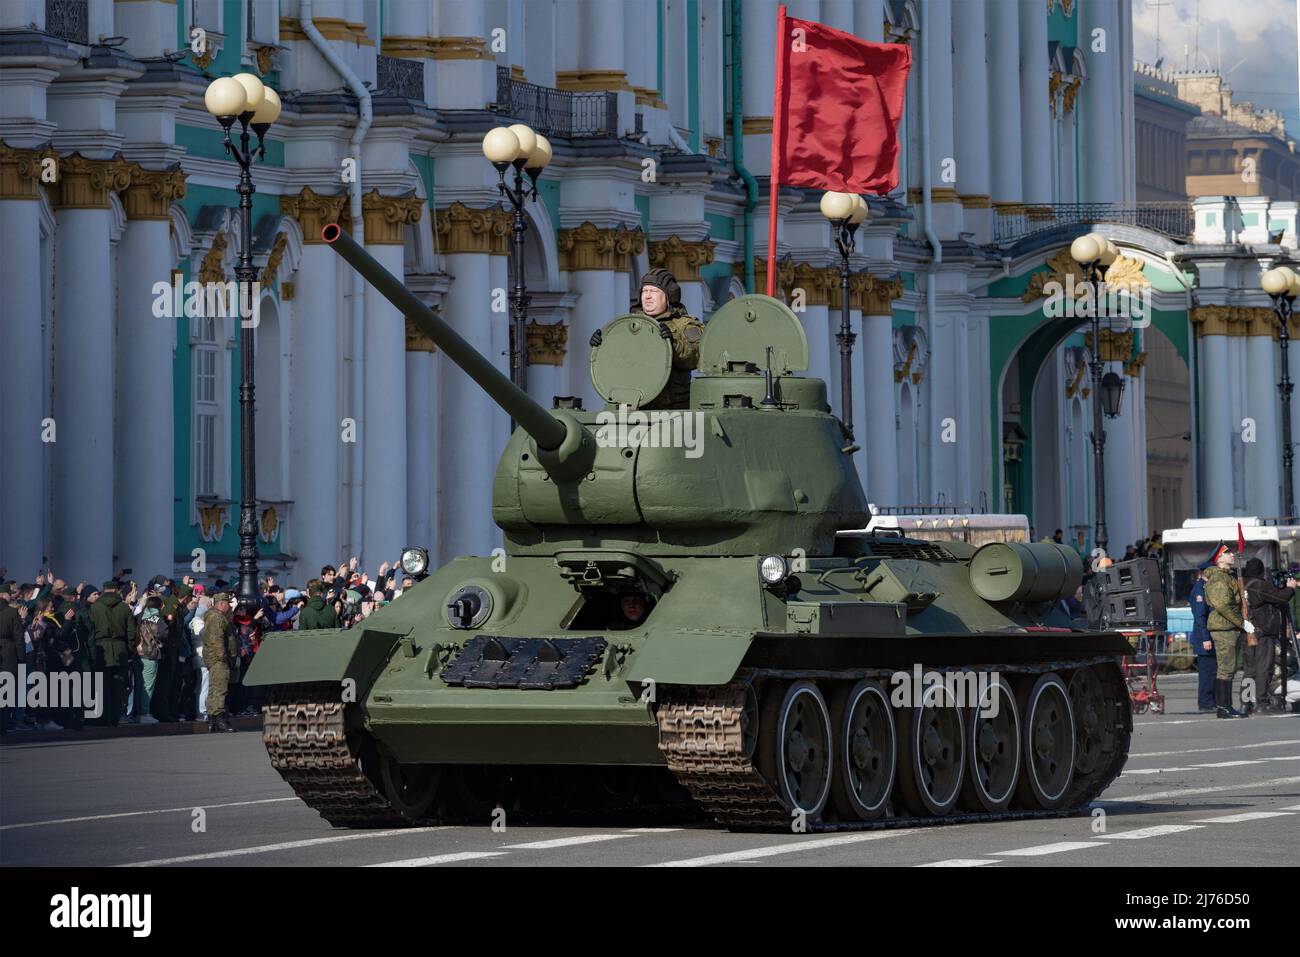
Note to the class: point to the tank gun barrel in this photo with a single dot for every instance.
(548, 431)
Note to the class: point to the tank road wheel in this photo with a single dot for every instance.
(992, 749)
(932, 739)
(795, 747)
(476, 790)
(866, 753)
(1047, 742)
(1092, 734)
(410, 788)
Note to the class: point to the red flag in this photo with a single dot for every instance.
(1241, 541)
(838, 102)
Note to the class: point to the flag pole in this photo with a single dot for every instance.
(778, 134)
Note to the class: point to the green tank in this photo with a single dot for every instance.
(675, 620)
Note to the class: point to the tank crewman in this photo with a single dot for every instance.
(114, 627)
(661, 299)
(1226, 626)
(632, 610)
(220, 654)
(1202, 643)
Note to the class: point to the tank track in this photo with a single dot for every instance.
(702, 739)
(304, 730)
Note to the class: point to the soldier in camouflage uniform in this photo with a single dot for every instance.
(220, 654)
(1226, 625)
(661, 299)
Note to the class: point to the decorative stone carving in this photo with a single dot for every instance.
(784, 274)
(20, 171)
(1133, 368)
(268, 526)
(213, 268)
(464, 230)
(416, 340)
(1116, 346)
(682, 259)
(1071, 91)
(1124, 273)
(816, 283)
(1237, 321)
(286, 291)
(547, 343)
(272, 266)
(314, 212)
(911, 354)
(265, 56)
(213, 520)
(85, 183)
(151, 192)
(588, 247)
(876, 296)
(386, 215)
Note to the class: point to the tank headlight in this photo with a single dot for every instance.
(773, 569)
(415, 561)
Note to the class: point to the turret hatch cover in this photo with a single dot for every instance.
(632, 363)
(742, 330)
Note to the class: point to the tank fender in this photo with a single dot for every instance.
(300, 657)
(690, 659)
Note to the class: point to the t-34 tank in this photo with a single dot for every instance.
(781, 674)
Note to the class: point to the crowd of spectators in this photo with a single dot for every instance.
(150, 652)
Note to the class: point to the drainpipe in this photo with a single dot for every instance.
(738, 142)
(357, 497)
(927, 211)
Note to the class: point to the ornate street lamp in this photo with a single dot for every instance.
(520, 147)
(1094, 252)
(1283, 286)
(245, 99)
(846, 211)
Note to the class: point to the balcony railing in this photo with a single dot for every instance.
(1171, 219)
(557, 112)
(68, 20)
(400, 76)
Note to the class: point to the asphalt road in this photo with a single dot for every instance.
(1196, 791)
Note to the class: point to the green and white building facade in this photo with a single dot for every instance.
(119, 427)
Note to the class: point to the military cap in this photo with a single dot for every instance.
(221, 596)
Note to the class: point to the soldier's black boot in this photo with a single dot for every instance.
(223, 724)
(1223, 700)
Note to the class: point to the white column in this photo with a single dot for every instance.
(600, 35)
(384, 509)
(596, 306)
(758, 52)
(145, 414)
(22, 392)
(1103, 180)
(315, 427)
(1264, 455)
(1035, 110)
(83, 399)
(420, 425)
(1004, 99)
(971, 138)
(942, 432)
(869, 19)
(1126, 469)
(876, 346)
(938, 22)
(466, 82)
(816, 325)
(465, 461)
(500, 354)
(1217, 431)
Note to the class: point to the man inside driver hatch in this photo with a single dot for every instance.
(661, 299)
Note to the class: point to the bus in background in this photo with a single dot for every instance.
(973, 528)
(1277, 545)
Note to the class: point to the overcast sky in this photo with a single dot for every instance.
(1255, 38)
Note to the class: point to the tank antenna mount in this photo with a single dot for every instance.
(769, 398)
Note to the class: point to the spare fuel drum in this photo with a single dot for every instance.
(1015, 571)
